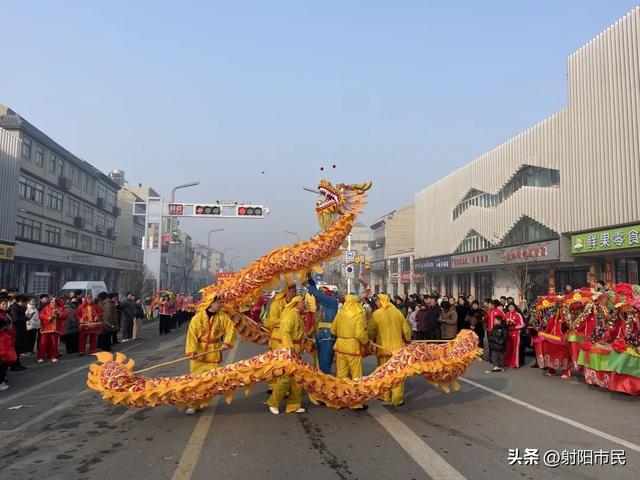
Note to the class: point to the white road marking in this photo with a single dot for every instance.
(57, 378)
(428, 459)
(555, 416)
(191, 454)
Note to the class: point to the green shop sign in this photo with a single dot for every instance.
(606, 240)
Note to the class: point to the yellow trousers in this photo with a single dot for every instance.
(349, 366)
(284, 385)
(396, 395)
(196, 367)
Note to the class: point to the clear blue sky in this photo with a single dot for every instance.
(397, 92)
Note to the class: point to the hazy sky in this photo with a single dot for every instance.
(397, 92)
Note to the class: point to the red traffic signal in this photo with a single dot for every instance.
(250, 211)
(208, 210)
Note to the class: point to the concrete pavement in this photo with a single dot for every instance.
(63, 431)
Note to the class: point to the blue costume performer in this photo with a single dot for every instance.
(324, 340)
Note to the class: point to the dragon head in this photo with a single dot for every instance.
(340, 199)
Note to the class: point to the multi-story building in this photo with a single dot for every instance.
(202, 275)
(556, 205)
(392, 235)
(65, 213)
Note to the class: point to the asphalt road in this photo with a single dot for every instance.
(63, 431)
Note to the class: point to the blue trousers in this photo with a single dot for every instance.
(324, 343)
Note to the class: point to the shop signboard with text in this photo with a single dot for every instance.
(432, 264)
(606, 240)
(532, 252)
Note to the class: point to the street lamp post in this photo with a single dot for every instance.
(209, 245)
(222, 257)
(293, 233)
(170, 223)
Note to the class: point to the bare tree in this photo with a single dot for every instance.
(140, 281)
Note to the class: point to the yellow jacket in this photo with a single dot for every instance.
(310, 303)
(388, 328)
(272, 323)
(291, 329)
(350, 328)
(209, 333)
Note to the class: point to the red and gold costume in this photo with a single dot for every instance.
(515, 323)
(52, 318)
(89, 325)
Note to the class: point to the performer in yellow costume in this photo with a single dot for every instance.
(291, 335)
(349, 327)
(272, 323)
(389, 329)
(210, 333)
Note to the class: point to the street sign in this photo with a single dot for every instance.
(176, 209)
(351, 255)
(350, 271)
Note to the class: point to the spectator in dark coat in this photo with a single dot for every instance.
(462, 309)
(71, 327)
(498, 343)
(17, 314)
(432, 320)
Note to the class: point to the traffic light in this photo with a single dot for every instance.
(208, 210)
(250, 211)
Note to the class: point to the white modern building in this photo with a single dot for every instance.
(559, 203)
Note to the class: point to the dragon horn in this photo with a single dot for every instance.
(363, 187)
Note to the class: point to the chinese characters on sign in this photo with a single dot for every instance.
(606, 240)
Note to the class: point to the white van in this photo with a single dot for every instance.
(94, 288)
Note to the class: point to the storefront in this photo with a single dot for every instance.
(435, 273)
(524, 271)
(614, 253)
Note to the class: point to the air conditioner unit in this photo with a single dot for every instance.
(110, 232)
(78, 222)
(116, 211)
(64, 183)
(100, 202)
(100, 228)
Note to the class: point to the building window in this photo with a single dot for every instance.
(109, 248)
(30, 189)
(484, 286)
(100, 222)
(39, 160)
(53, 163)
(28, 229)
(473, 242)
(54, 200)
(87, 214)
(76, 177)
(52, 235)
(60, 167)
(527, 176)
(86, 243)
(99, 246)
(71, 239)
(405, 264)
(528, 230)
(26, 148)
(73, 207)
(89, 184)
(111, 222)
(393, 265)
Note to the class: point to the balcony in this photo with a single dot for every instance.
(100, 228)
(112, 233)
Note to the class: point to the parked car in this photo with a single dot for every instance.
(93, 287)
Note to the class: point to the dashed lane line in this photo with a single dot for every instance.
(433, 464)
(189, 459)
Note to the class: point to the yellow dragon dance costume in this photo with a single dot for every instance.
(114, 377)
